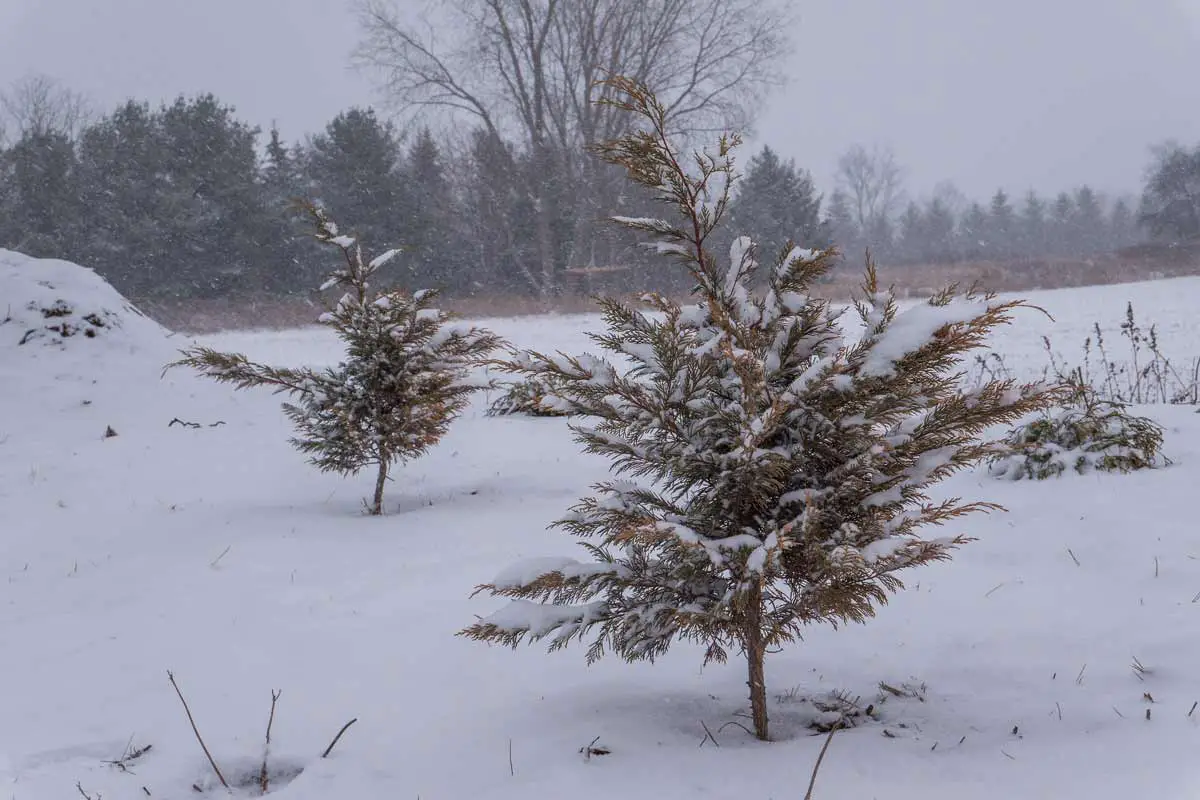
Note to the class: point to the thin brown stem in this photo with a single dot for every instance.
(264, 781)
(196, 731)
(329, 749)
(812, 782)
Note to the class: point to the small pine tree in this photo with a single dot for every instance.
(403, 382)
(778, 472)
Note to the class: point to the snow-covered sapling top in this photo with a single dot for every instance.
(406, 376)
(768, 473)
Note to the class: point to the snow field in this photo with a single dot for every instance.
(217, 553)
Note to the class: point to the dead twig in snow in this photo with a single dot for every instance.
(196, 731)
(708, 735)
(1073, 558)
(130, 755)
(590, 749)
(216, 560)
(264, 780)
(738, 724)
(812, 781)
(329, 749)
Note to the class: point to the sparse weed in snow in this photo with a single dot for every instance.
(1145, 376)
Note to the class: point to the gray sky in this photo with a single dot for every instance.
(1016, 93)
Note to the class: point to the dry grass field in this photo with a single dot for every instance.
(200, 316)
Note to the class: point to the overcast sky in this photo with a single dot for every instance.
(1045, 94)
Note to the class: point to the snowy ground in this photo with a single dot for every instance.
(217, 553)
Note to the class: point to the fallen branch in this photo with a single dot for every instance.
(186, 424)
(196, 731)
(131, 754)
(590, 749)
(329, 749)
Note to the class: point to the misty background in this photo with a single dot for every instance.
(1019, 94)
(956, 100)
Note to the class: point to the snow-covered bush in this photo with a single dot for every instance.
(1084, 434)
(532, 397)
(406, 376)
(776, 473)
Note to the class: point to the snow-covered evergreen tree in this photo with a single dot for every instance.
(406, 375)
(771, 473)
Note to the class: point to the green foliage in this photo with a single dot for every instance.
(771, 473)
(171, 200)
(532, 397)
(777, 203)
(355, 166)
(1085, 434)
(39, 195)
(405, 377)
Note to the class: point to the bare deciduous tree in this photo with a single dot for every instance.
(873, 182)
(39, 105)
(530, 70)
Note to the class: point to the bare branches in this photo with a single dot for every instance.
(414, 70)
(534, 71)
(710, 59)
(196, 731)
(873, 181)
(38, 105)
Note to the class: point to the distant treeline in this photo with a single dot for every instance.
(187, 200)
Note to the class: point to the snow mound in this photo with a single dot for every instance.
(52, 303)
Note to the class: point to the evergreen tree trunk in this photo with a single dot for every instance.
(544, 225)
(380, 480)
(756, 651)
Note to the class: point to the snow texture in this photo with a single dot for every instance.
(914, 327)
(214, 552)
(47, 302)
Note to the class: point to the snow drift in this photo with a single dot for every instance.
(48, 302)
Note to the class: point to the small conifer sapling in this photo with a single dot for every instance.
(769, 473)
(406, 374)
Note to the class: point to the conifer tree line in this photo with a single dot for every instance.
(186, 199)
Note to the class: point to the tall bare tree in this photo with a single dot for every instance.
(873, 182)
(529, 71)
(37, 105)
